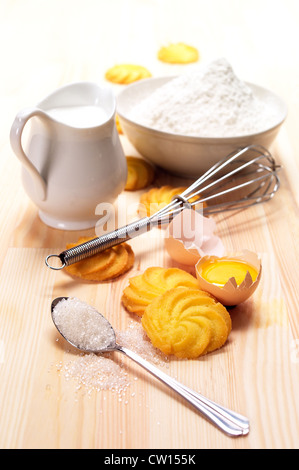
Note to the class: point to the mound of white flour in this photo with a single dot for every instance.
(205, 102)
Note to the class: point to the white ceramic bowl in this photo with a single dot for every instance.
(184, 155)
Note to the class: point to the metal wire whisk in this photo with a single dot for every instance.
(249, 175)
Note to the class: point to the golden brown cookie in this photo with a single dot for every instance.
(187, 323)
(126, 73)
(103, 266)
(145, 287)
(179, 53)
(157, 198)
(118, 126)
(140, 174)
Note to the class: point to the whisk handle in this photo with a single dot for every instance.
(96, 245)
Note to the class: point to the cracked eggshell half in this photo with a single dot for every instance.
(190, 236)
(231, 293)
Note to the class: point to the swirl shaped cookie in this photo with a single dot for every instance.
(127, 73)
(118, 126)
(179, 53)
(187, 323)
(103, 266)
(145, 287)
(157, 198)
(140, 173)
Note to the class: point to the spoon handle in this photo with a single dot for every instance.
(228, 421)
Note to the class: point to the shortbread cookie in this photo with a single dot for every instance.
(140, 173)
(179, 53)
(103, 266)
(187, 323)
(157, 198)
(126, 73)
(145, 287)
(118, 126)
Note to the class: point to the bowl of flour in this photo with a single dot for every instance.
(185, 124)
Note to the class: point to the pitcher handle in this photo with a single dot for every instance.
(16, 143)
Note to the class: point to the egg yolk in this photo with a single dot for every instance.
(220, 271)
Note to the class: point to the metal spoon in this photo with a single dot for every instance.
(228, 421)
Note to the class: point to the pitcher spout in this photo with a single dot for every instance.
(81, 105)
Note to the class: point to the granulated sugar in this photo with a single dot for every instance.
(135, 338)
(82, 325)
(107, 371)
(205, 102)
(94, 372)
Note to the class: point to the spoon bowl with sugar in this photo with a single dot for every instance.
(82, 326)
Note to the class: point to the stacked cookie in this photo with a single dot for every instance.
(144, 288)
(178, 317)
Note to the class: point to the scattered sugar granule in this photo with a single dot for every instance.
(97, 372)
(208, 101)
(100, 372)
(136, 339)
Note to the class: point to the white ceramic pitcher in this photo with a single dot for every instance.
(72, 158)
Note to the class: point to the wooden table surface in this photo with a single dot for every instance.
(45, 45)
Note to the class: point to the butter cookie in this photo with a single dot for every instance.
(153, 282)
(187, 323)
(118, 126)
(157, 198)
(126, 73)
(103, 266)
(178, 53)
(140, 174)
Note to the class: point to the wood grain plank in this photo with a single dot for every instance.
(257, 372)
